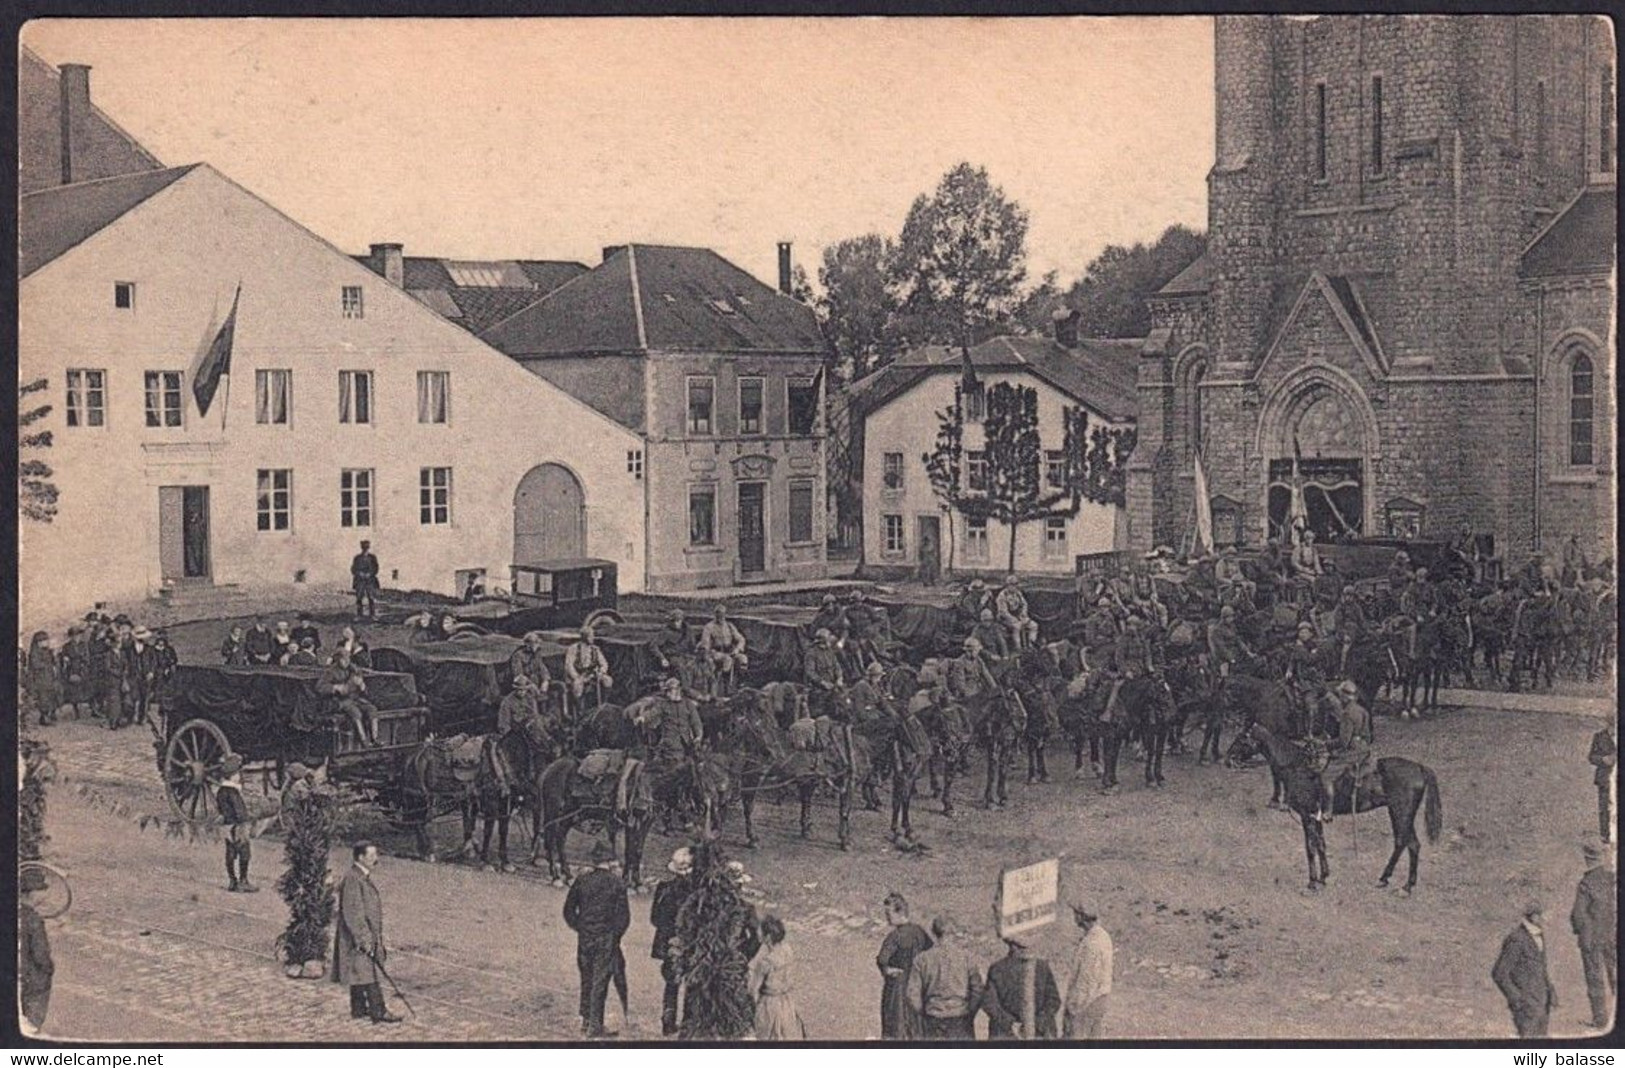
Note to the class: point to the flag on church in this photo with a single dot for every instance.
(1298, 511)
(216, 363)
(1204, 512)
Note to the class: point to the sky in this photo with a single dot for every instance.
(553, 138)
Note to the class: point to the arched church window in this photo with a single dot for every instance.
(1193, 383)
(1582, 410)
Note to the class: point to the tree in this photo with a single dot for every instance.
(310, 817)
(1013, 490)
(1035, 315)
(961, 260)
(36, 493)
(715, 929)
(857, 307)
(1111, 296)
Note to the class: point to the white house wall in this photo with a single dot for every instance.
(186, 249)
(908, 424)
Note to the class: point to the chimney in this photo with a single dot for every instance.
(610, 250)
(784, 268)
(74, 81)
(389, 260)
(1066, 327)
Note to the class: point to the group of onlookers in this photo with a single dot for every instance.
(108, 667)
(296, 645)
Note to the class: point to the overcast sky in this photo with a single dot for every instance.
(552, 138)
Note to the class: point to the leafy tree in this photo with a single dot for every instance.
(1111, 296)
(1035, 315)
(36, 493)
(961, 259)
(1094, 464)
(857, 307)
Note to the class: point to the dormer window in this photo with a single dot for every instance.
(124, 296)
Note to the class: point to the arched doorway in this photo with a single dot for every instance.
(549, 515)
(1318, 437)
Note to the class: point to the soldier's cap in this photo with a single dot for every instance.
(829, 598)
(986, 613)
(297, 771)
(824, 632)
(682, 861)
(231, 763)
(1010, 579)
(737, 872)
(1310, 627)
(121, 619)
(676, 615)
(875, 668)
(524, 682)
(1347, 687)
(977, 584)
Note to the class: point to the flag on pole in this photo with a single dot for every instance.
(968, 380)
(1298, 512)
(216, 363)
(1204, 512)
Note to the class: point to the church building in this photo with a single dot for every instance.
(1407, 293)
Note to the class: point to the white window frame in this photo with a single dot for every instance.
(975, 458)
(426, 384)
(888, 469)
(353, 302)
(127, 287)
(434, 498)
(263, 378)
(1055, 547)
(977, 548)
(166, 415)
(893, 535)
(707, 489)
(811, 486)
(1055, 468)
(349, 410)
(358, 498)
(689, 430)
(761, 409)
(78, 411)
(634, 464)
(266, 508)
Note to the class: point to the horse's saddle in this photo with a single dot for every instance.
(600, 762)
(463, 753)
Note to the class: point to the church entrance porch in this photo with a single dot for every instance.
(1333, 497)
(1318, 439)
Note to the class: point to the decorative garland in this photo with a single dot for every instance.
(713, 929)
(310, 817)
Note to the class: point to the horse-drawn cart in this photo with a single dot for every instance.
(272, 717)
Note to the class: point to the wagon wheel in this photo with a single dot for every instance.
(55, 897)
(191, 760)
(597, 616)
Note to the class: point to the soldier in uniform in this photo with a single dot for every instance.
(972, 601)
(519, 706)
(831, 617)
(1100, 631)
(585, 666)
(821, 670)
(672, 643)
(1012, 608)
(970, 681)
(364, 581)
(863, 622)
(675, 723)
(868, 696)
(722, 645)
(1224, 644)
(529, 660)
(993, 636)
(1399, 571)
(1352, 748)
(1304, 675)
(343, 681)
(1351, 625)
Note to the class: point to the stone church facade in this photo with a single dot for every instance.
(1408, 287)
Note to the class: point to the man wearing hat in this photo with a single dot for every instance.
(35, 967)
(304, 655)
(228, 798)
(970, 680)
(1100, 630)
(994, 638)
(306, 629)
(1351, 625)
(831, 617)
(1088, 977)
(944, 988)
(1351, 748)
(1595, 920)
(722, 645)
(529, 660)
(821, 671)
(1002, 997)
(301, 782)
(865, 625)
(364, 581)
(669, 896)
(596, 910)
(672, 644)
(519, 707)
(138, 676)
(358, 943)
(1521, 974)
(258, 643)
(1399, 571)
(1305, 677)
(675, 721)
(1013, 613)
(1603, 756)
(343, 681)
(168, 660)
(868, 696)
(973, 600)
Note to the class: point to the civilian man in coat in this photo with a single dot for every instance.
(358, 945)
(1603, 756)
(1595, 922)
(905, 941)
(258, 643)
(138, 676)
(304, 628)
(364, 581)
(1520, 972)
(668, 901)
(35, 967)
(1002, 997)
(944, 987)
(1089, 977)
(596, 910)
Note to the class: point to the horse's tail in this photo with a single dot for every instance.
(1433, 807)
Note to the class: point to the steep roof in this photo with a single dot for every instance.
(1194, 280)
(476, 294)
(660, 298)
(104, 149)
(1098, 372)
(1581, 240)
(52, 221)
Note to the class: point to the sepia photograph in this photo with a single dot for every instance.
(626, 532)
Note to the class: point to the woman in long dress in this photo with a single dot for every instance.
(772, 985)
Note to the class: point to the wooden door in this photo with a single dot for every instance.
(752, 527)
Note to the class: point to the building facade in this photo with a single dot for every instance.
(719, 376)
(1367, 308)
(906, 525)
(62, 137)
(350, 411)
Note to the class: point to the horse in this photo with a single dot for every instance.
(620, 803)
(489, 791)
(1534, 642)
(1037, 681)
(1259, 701)
(1401, 786)
(998, 722)
(1603, 636)
(1144, 710)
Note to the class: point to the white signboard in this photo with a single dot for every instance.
(1029, 897)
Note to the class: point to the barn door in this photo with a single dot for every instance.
(549, 516)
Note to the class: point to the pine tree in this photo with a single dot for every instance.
(36, 493)
(36, 756)
(715, 928)
(309, 818)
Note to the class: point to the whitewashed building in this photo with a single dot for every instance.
(351, 411)
(905, 525)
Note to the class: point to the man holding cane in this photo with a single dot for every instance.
(358, 948)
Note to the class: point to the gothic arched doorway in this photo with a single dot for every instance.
(549, 515)
(1319, 437)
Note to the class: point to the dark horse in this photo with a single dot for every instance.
(1399, 785)
(1144, 711)
(619, 802)
(504, 779)
(1036, 679)
(998, 722)
(1259, 701)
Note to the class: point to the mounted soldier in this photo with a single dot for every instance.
(1350, 750)
(1011, 605)
(970, 679)
(673, 644)
(723, 647)
(1351, 625)
(519, 707)
(869, 698)
(528, 660)
(673, 721)
(1305, 677)
(1100, 632)
(821, 670)
(864, 626)
(993, 636)
(972, 601)
(1224, 645)
(586, 669)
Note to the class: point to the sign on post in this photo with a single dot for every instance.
(1029, 897)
